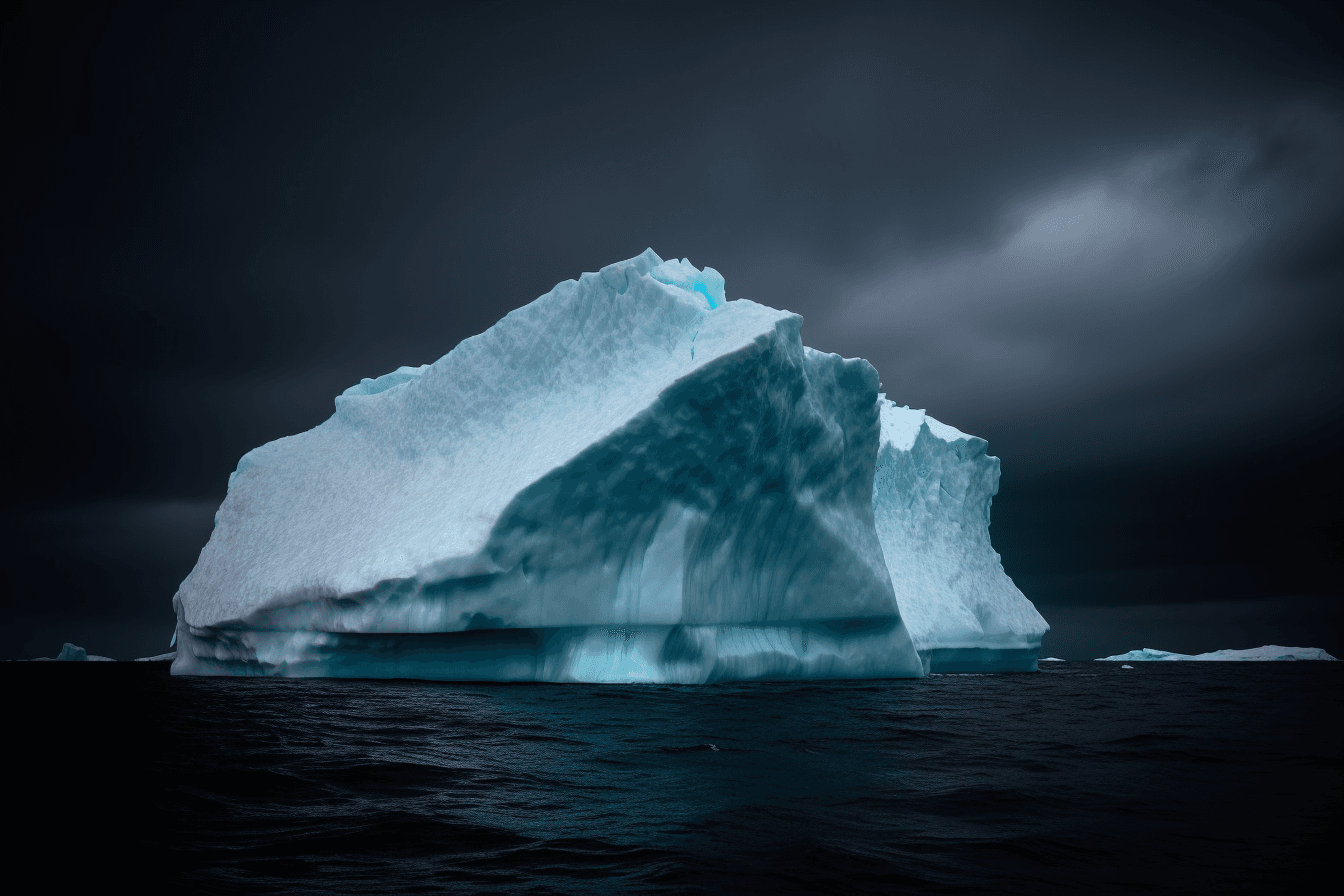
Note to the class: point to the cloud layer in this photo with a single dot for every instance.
(1176, 299)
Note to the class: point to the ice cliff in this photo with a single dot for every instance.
(629, 479)
(931, 501)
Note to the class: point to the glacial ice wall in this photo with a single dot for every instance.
(931, 498)
(629, 479)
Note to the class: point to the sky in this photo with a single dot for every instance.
(1106, 238)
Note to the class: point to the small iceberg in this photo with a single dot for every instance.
(1270, 652)
(73, 653)
(161, 658)
(1051, 659)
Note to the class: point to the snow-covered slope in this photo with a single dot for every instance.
(1255, 654)
(628, 479)
(931, 499)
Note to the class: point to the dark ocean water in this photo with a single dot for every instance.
(1176, 777)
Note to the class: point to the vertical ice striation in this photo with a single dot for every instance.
(931, 498)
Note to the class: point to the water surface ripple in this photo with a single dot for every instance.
(1166, 778)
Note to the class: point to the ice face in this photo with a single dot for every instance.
(629, 479)
(1270, 652)
(931, 498)
(71, 653)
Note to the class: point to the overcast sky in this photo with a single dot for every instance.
(1108, 240)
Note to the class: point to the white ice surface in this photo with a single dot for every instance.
(931, 499)
(1269, 652)
(628, 453)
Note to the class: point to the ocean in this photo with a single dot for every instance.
(1085, 777)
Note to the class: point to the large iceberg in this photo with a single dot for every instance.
(629, 479)
(1269, 652)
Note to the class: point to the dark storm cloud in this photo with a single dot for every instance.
(1102, 238)
(1158, 305)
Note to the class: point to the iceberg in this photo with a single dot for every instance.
(73, 653)
(1270, 652)
(631, 479)
(931, 498)
(160, 658)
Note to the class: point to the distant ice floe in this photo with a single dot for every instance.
(1269, 652)
(72, 653)
(161, 658)
(1051, 659)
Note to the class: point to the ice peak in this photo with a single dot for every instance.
(684, 275)
(901, 425)
(373, 385)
